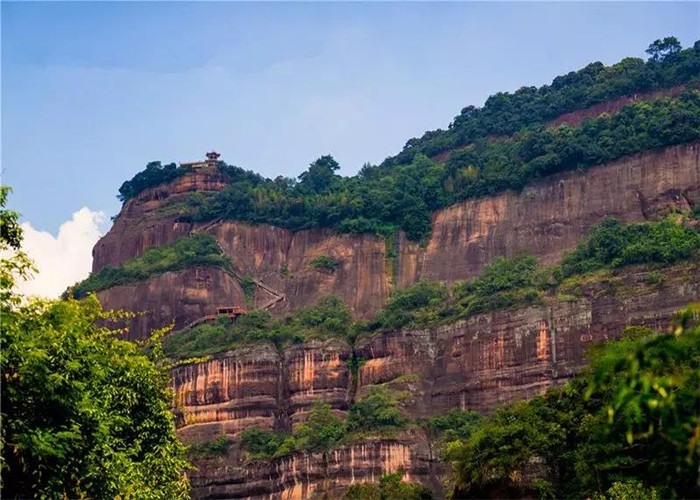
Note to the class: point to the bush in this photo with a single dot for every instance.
(264, 445)
(330, 317)
(216, 447)
(454, 425)
(376, 411)
(248, 285)
(186, 252)
(503, 283)
(390, 487)
(612, 245)
(219, 335)
(324, 263)
(321, 431)
(319, 434)
(412, 306)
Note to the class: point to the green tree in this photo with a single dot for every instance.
(10, 231)
(320, 176)
(627, 428)
(84, 414)
(375, 411)
(662, 49)
(321, 431)
(390, 487)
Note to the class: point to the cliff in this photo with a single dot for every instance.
(547, 218)
(476, 363)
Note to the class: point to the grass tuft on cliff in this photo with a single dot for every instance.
(186, 252)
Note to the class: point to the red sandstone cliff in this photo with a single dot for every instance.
(472, 364)
(546, 218)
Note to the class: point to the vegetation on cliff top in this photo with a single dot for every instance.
(505, 113)
(186, 252)
(84, 414)
(381, 199)
(403, 191)
(629, 423)
(153, 175)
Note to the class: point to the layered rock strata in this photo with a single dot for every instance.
(547, 218)
(477, 363)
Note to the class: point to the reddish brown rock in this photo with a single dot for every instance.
(316, 372)
(475, 364)
(255, 385)
(303, 475)
(173, 298)
(139, 227)
(550, 216)
(227, 394)
(547, 218)
(497, 357)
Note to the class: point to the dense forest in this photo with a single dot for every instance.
(504, 145)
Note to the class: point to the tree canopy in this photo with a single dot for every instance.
(84, 414)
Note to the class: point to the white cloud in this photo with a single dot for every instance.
(64, 259)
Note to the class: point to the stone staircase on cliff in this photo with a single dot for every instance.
(277, 296)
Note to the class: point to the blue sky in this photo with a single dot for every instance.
(93, 91)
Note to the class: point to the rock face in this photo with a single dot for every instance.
(303, 475)
(174, 297)
(550, 216)
(257, 386)
(472, 364)
(547, 218)
(495, 358)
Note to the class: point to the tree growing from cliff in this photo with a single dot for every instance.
(84, 414)
(321, 431)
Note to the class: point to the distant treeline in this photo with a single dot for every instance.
(403, 191)
(505, 113)
(381, 200)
